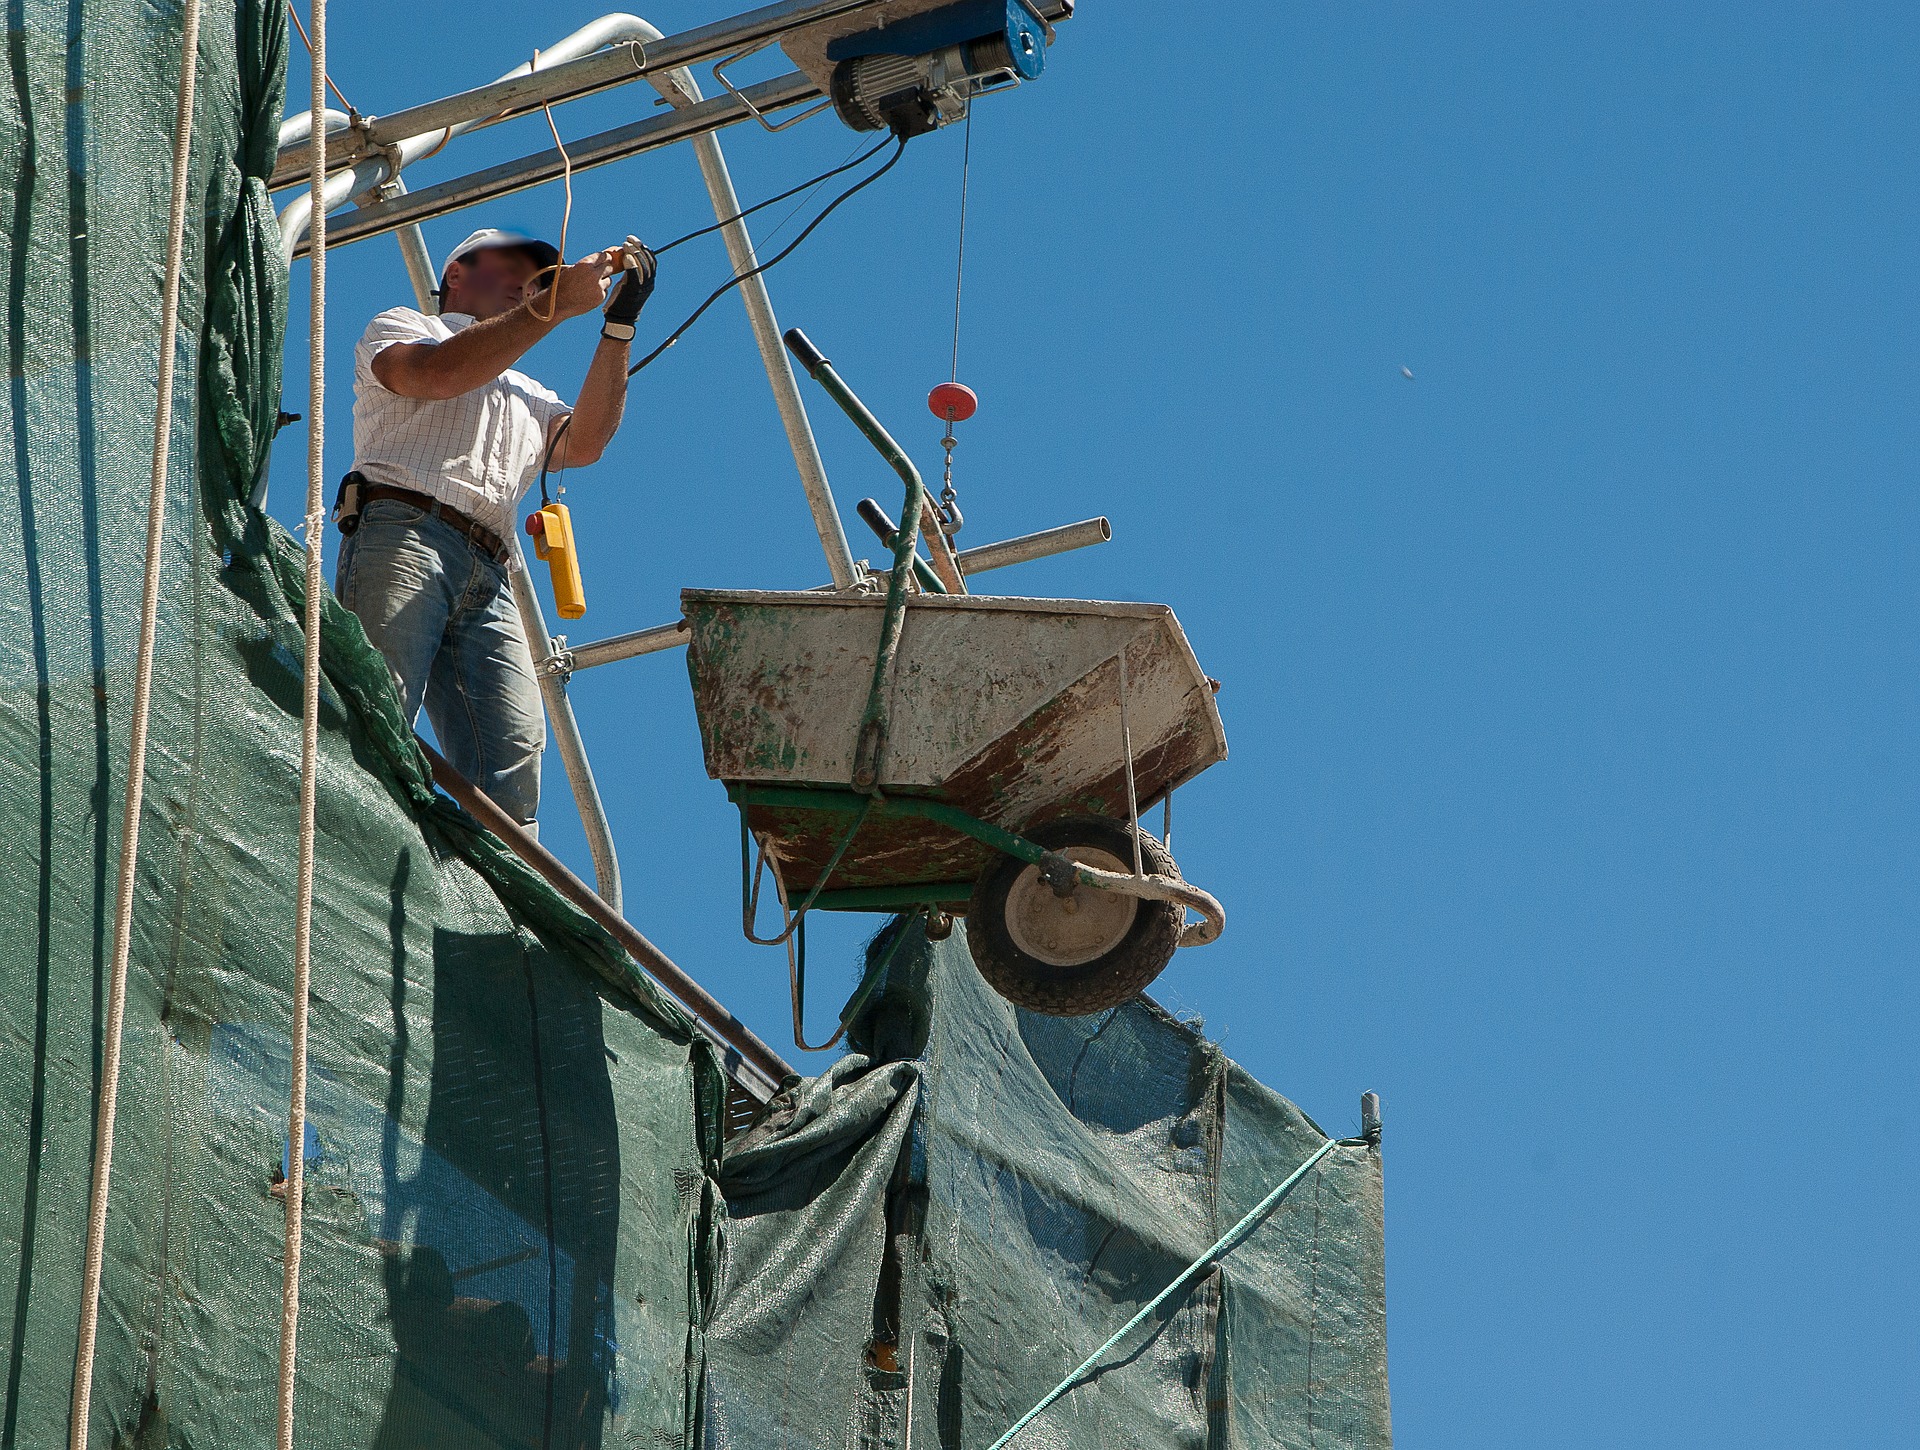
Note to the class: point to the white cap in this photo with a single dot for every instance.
(489, 239)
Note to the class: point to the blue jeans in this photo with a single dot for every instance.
(443, 614)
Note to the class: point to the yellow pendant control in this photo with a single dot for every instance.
(552, 531)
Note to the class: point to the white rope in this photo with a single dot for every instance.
(136, 742)
(309, 733)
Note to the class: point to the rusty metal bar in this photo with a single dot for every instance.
(715, 1019)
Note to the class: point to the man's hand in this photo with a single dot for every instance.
(630, 292)
(578, 287)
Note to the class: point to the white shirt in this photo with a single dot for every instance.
(478, 452)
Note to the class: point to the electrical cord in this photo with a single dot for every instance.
(900, 146)
(866, 155)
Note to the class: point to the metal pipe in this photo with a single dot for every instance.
(718, 1022)
(973, 561)
(418, 260)
(1028, 546)
(516, 94)
(566, 735)
(870, 746)
(395, 156)
(570, 69)
(299, 126)
(511, 176)
(887, 532)
(660, 56)
(626, 646)
(766, 337)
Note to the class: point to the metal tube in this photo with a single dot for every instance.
(299, 126)
(511, 176)
(419, 262)
(515, 94)
(566, 735)
(394, 156)
(1028, 546)
(876, 519)
(973, 561)
(766, 337)
(869, 749)
(718, 1022)
(571, 69)
(626, 646)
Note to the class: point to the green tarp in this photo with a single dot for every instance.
(522, 1229)
(511, 1128)
(977, 1197)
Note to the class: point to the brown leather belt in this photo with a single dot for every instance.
(488, 541)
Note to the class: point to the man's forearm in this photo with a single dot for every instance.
(471, 358)
(603, 398)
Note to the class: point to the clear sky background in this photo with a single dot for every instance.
(1570, 684)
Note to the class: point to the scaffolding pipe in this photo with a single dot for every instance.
(516, 94)
(602, 149)
(418, 260)
(1029, 547)
(1022, 550)
(394, 155)
(571, 69)
(625, 646)
(566, 734)
(297, 128)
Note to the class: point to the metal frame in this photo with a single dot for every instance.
(366, 156)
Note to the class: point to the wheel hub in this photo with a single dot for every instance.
(1073, 930)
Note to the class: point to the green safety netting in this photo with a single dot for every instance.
(521, 1227)
(924, 1241)
(511, 1128)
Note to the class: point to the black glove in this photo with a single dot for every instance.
(629, 294)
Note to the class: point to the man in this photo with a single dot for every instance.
(447, 437)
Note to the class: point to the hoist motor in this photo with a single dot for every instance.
(921, 73)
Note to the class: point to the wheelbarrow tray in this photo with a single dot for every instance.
(1006, 708)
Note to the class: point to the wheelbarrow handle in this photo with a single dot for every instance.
(1161, 888)
(804, 352)
(884, 529)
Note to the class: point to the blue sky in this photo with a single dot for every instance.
(1570, 684)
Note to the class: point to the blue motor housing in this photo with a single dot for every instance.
(922, 72)
(965, 22)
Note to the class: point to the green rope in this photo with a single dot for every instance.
(1227, 1242)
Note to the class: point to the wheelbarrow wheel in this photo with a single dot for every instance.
(1070, 956)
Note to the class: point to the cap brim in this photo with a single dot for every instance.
(544, 254)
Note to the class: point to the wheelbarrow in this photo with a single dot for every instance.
(954, 754)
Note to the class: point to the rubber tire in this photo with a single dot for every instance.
(1120, 974)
